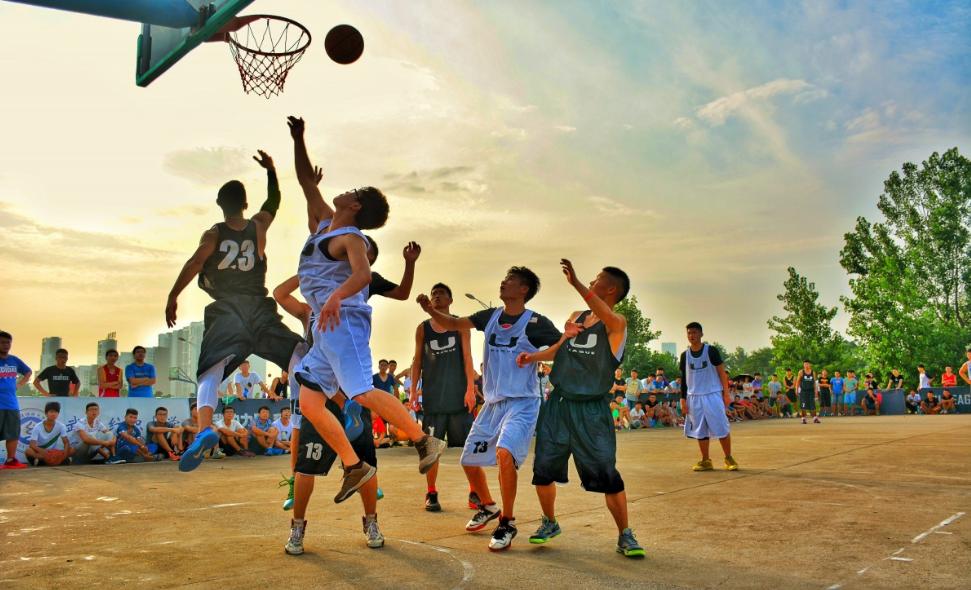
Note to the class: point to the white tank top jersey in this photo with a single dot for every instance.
(503, 378)
(320, 275)
(702, 376)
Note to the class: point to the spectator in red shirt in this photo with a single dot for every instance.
(109, 376)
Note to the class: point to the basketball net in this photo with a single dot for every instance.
(265, 47)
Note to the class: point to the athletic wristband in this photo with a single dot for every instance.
(590, 295)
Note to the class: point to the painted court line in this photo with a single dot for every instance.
(939, 525)
(467, 568)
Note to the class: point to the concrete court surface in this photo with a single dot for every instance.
(875, 502)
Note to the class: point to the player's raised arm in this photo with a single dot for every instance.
(403, 291)
(192, 267)
(317, 208)
(548, 354)
(356, 250)
(446, 321)
(272, 203)
(613, 321)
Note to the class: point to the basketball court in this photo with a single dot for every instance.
(852, 503)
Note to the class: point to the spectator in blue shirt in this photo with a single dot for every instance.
(129, 441)
(13, 374)
(140, 375)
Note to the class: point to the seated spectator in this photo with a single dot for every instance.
(164, 436)
(190, 426)
(949, 378)
(734, 409)
(675, 386)
(91, 438)
(129, 439)
(664, 414)
(48, 443)
(912, 401)
(233, 438)
(948, 403)
(783, 406)
(870, 403)
(650, 409)
(380, 429)
(931, 405)
(637, 416)
(284, 429)
(264, 433)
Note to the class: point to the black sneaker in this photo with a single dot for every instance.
(431, 502)
(474, 501)
(503, 535)
(429, 450)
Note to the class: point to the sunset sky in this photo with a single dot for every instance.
(703, 147)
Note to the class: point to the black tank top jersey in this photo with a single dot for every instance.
(808, 383)
(789, 382)
(235, 268)
(442, 371)
(584, 366)
(281, 388)
(823, 382)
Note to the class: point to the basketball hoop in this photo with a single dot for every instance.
(265, 47)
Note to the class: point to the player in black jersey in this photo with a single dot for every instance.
(443, 365)
(577, 419)
(231, 264)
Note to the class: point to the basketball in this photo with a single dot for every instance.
(344, 44)
(54, 457)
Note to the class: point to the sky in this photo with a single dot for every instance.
(703, 147)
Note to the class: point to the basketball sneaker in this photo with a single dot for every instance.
(804, 420)
(703, 465)
(628, 545)
(294, 544)
(503, 535)
(353, 479)
(431, 502)
(375, 540)
(13, 463)
(730, 463)
(193, 456)
(482, 518)
(816, 420)
(429, 450)
(287, 481)
(546, 531)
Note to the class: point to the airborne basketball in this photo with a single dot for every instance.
(461, 295)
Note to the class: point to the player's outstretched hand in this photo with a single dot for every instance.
(571, 329)
(523, 360)
(470, 396)
(424, 302)
(264, 160)
(571, 275)
(296, 126)
(318, 174)
(330, 314)
(411, 252)
(170, 308)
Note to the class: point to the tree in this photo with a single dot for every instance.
(911, 271)
(805, 332)
(637, 355)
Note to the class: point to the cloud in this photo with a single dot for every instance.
(683, 123)
(719, 110)
(434, 181)
(564, 128)
(609, 206)
(208, 165)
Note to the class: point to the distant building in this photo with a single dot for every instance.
(177, 359)
(88, 375)
(109, 343)
(670, 348)
(48, 346)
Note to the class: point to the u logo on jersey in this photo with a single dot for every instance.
(589, 342)
(704, 365)
(511, 344)
(449, 344)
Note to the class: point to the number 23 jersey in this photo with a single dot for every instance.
(235, 268)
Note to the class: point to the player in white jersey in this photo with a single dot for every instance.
(334, 274)
(503, 430)
(705, 397)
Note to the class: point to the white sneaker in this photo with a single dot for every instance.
(804, 420)
(294, 544)
(503, 535)
(482, 518)
(375, 539)
(816, 420)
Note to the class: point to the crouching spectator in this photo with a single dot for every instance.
(637, 416)
(164, 437)
(264, 433)
(233, 438)
(871, 403)
(130, 442)
(190, 426)
(931, 405)
(48, 440)
(92, 438)
(948, 403)
(913, 402)
(284, 428)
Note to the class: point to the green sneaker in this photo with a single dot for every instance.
(287, 481)
(546, 531)
(627, 544)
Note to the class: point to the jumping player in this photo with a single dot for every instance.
(504, 427)
(705, 397)
(231, 264)
(443, 365)
(334, 274)
(576, 419)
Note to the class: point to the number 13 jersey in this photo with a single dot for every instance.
(236, 267)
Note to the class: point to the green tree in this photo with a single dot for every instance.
(911, 271)
(805, 331)
(637, 355)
